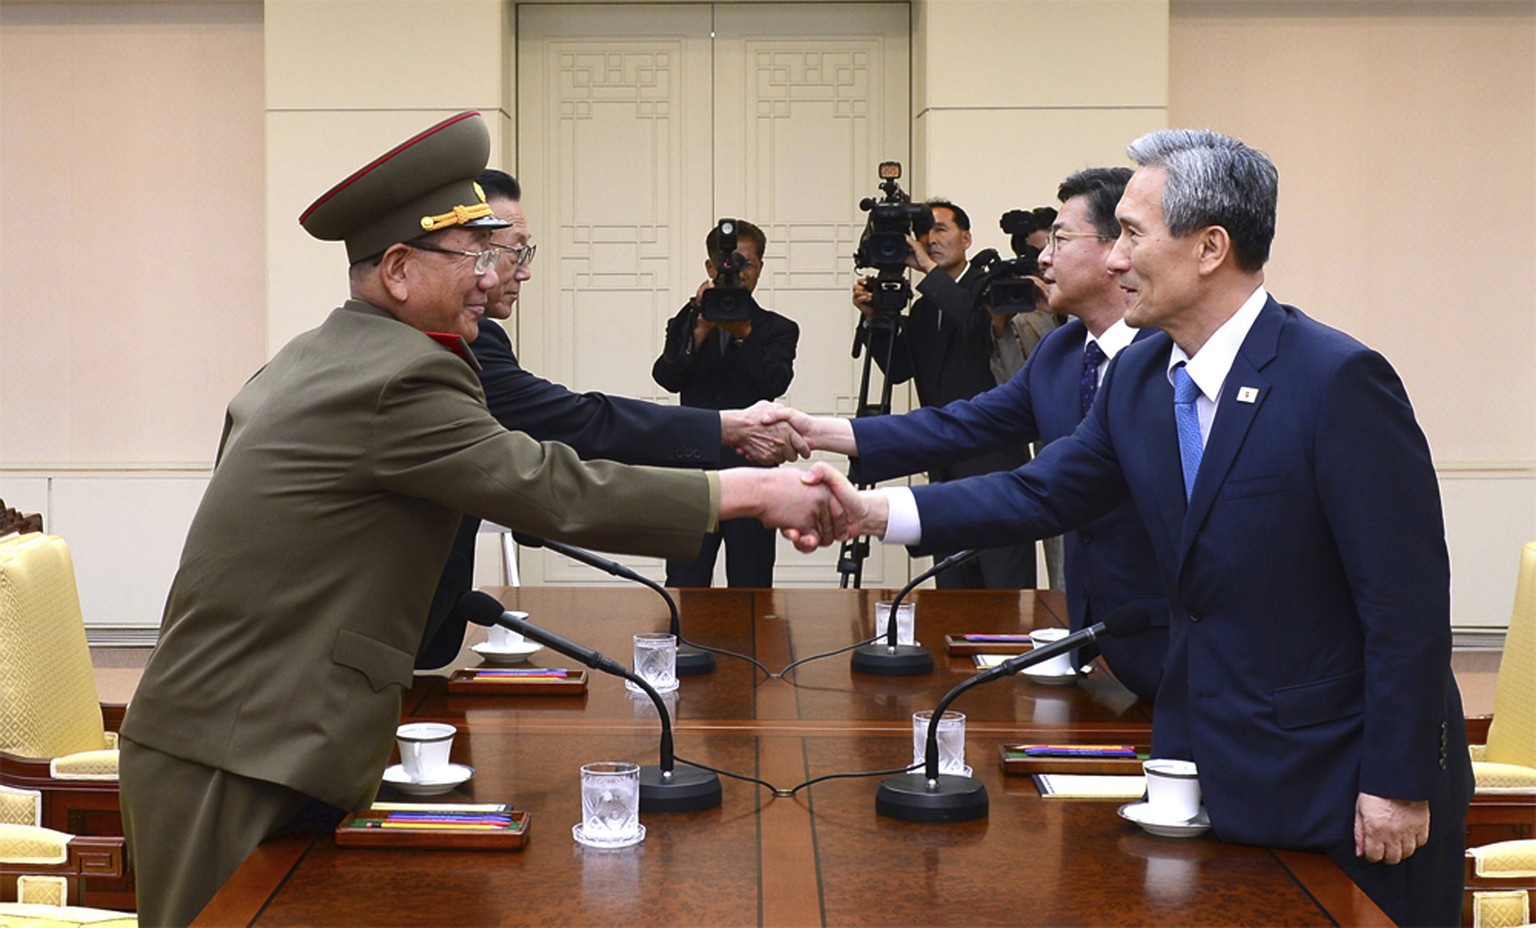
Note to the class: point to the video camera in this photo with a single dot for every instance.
(883, 244)
(1005, 284)
(728, 300)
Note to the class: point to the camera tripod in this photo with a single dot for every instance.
(892, 293)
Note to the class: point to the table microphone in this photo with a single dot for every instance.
(929, 796)
(690, 661)
(890, 659)
(663, 787)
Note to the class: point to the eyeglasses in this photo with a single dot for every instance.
(1056, 235)
(521, 255)
(484, 260)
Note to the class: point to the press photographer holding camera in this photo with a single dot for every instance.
(936, 347)
(1018, 310)
(723, 351)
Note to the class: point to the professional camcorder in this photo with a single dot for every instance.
(1005, 284)
(728, 300)
(883, 245)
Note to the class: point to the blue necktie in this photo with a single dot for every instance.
(1088, 385)
(1188, 422)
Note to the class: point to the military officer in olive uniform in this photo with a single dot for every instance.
(291, 626)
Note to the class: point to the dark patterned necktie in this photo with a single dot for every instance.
(1187, 419)
(1088, 385)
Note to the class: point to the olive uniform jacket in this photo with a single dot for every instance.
(292, 623)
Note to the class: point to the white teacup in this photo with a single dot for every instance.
(424, 749)
(503, 638)
(1173, 789)
(1061, 664)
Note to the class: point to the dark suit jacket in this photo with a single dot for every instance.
(1308, 577)
(743, 372)
(934, 348)
(596, 426)
(1109, 561)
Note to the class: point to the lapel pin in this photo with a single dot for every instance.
(1247, 394)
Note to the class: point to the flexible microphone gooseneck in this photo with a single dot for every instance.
(929, 796)
(890, 659)
(664, 787)
(690, 660)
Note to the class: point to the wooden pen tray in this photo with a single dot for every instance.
(354, 831)
(1027, 766)
(480, 683)
(959, 647)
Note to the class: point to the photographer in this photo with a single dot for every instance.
(936, 347)
(729, 364)
(1015, 330)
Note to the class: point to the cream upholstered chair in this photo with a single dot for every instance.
(52, 734)
(45, 870)
(1511, 863)
(1507, 763)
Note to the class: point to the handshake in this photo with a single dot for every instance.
(813, 507)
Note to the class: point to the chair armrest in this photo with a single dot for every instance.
(1507, 859)
(85, 765)
(1504, 778)
(29, 844)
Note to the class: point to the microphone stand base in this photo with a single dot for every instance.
(909, 797)
(688, 789)
(692, 662)
(905, 660)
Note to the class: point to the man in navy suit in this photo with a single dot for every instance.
(597, 426)
(1109, 562)
(1296, 517)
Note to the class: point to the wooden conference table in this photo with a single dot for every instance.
(822, 856)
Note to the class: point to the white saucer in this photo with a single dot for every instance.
(513, 655)
(1139, 812)
(580, 834)
(457, 775)
(1056, 679)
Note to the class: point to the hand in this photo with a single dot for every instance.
(739, 329)
(792, 500)
(1389, 830)
(701, 326)
(757, 433)
(864, 298)
(917, 257)
(820, 433)
(864, 512)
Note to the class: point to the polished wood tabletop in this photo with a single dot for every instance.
(778, 627)
(821, 855)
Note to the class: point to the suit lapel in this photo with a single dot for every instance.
(1242, 394)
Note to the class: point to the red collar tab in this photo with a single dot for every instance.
(457, 345)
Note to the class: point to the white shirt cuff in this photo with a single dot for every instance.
(902, 526)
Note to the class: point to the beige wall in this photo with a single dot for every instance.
(176, 142)
(1011, 96)
(331, 107)
(1407, 154)
(132, 293)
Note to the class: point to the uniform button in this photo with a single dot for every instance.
(1085, 537)
(1195, 616)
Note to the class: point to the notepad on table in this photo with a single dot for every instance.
(1090, 786)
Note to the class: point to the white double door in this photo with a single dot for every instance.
(637, 128)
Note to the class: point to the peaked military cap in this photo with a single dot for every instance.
(423, 184)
